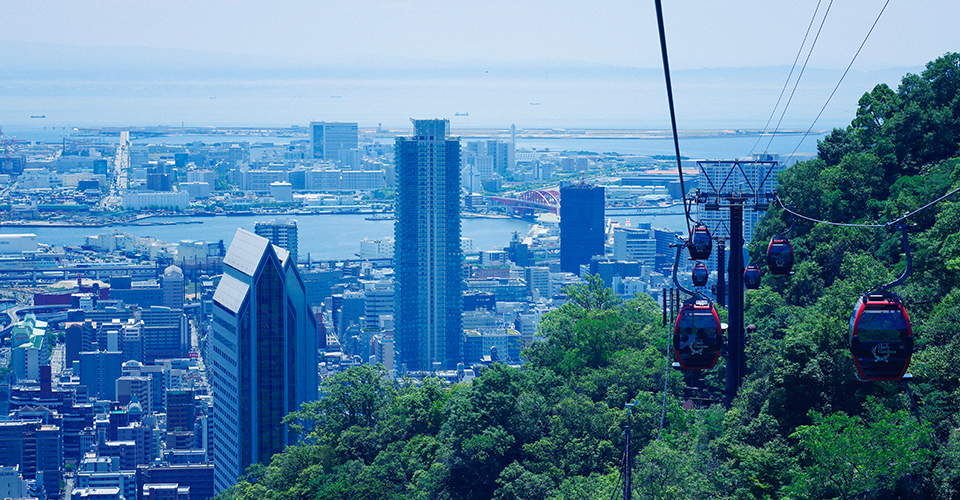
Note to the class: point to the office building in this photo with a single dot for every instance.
(165, 491)
(506, 342)
(99, 371)
(635, 243)
(504, 156)
(36, 449)
(104, 472)
(384, 352)
(328, 139)
(378, 300)
(145, 444)
(29, 352)
(136, 389)
(503, 289)
(199, 478)
(491, 157)
(181, 412)
(139, 293)
(130, 336)
(172, 284)
(165, 333)
(136, 200)
(581, 225)
(260, 180)
(427, 252)
(282, 233)
(263, 357)
(11, 484)
(377, 249)
(538, 279)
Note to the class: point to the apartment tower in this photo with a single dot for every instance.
(281, 232)
(427, 253)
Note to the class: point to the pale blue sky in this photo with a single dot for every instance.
(557, 63)
(701, 33)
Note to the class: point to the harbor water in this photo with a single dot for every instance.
(323, 237)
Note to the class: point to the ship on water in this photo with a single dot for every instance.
(380, 216)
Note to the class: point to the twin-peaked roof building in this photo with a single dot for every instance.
(263, 356)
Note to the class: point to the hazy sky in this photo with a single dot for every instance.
(700, 33)
(546, 64)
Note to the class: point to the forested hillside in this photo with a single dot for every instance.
(802, 427)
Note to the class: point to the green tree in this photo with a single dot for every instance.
(517, 483)
(592, 294)
(665, 471)
(846, 456)
(356, 397)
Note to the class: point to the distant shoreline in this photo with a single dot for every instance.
(614, 134)
(375, 132)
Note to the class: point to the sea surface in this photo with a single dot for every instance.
(595, 100)
(322, 237)
(709, 148)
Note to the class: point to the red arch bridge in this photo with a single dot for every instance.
(529, 202)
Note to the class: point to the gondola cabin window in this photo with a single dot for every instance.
(882, 326)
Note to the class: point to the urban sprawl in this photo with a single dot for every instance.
(139, 368)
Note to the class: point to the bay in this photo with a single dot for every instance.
(710, 148)
(324, 237)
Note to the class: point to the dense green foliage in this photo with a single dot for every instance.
(802, 426)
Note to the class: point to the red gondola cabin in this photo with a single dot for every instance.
(697, 337)
(700, 243)
(700, 274)
(751, 277)
(881, 339)
(780, 256)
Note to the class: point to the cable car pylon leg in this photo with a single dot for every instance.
(736, 362)
(721, 279)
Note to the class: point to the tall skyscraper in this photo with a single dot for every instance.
(263, 357)
(581, 225)
(281, 232)
(427, 253)
(327, 139)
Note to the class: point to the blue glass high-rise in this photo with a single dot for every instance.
(427, 255)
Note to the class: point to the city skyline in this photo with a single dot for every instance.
(139, 361)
